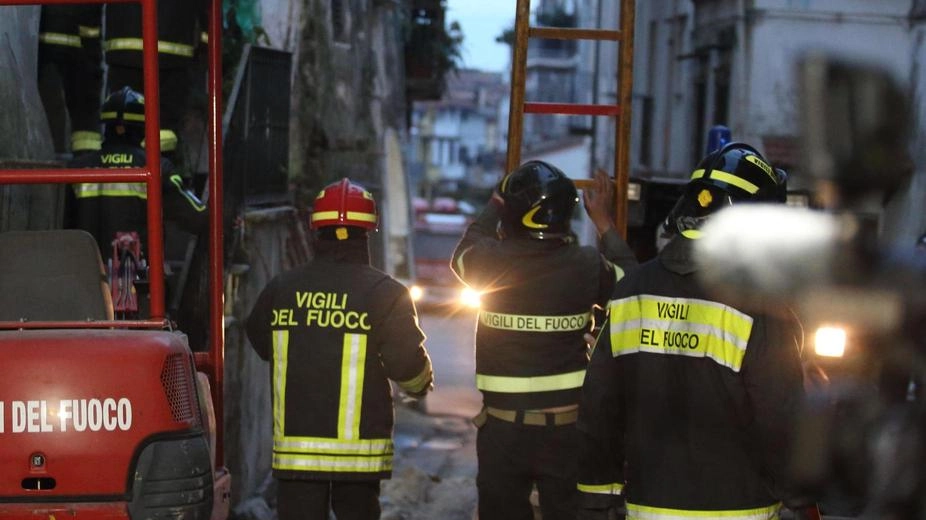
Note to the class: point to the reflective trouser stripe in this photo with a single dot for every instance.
(613, 488)
(280, 354)
(87, 31)
(638, 512)
(338, 464)
(328, 446)
(526, 323)
(135, 44)
(353, 361)
(67, 40)
(110, 189)
(85, 140)
(519, 385)
(680, 327)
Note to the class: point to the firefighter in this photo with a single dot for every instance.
(336, 331)
(179, 35)
(69, 47)
(539, 288)
(106, 208)
(688, 401)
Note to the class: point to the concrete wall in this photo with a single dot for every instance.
(24, 129)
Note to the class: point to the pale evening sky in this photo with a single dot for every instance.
(482, 21)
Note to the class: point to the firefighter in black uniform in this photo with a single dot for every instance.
(69, 44)
(688, 401)
(539, 288)
(179, 35)
(106, 208)
(335, 331)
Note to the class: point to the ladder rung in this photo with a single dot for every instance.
(574, 109)
(570, 33)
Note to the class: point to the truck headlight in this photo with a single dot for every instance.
(830, 341)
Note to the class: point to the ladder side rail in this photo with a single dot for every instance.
(518, 79)
(622, 124)
(216, 361)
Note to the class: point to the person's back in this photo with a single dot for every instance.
(106, 208)
(689, 400)
(336, 331)
(538, 292)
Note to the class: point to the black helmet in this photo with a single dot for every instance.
(735, 173)
(539, 200)
(124, 108)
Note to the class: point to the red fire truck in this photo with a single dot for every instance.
(104, 418)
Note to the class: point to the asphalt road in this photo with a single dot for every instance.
(449, 342)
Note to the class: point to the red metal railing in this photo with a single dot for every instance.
(212, 362)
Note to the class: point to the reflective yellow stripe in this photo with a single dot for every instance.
(86, 31)
(638, 512)
(692, 234)
(108, 116)
(204, 37)
(363, 217)
(135, 44)
(679, 326)
(324, 445)
(417, 383)
(324, 215)
(84, 140)
(460, 262)
(765, 167)
(168, 140)
(613, 488)
(728, 178)
(68, 40)
(519, 385)
(280, 360)
(528, 219)
(526, 323)
(353, 361)
(335, 464)
(618, 272)
(177, 181)
(110, 189)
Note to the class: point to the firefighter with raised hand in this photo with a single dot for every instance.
(538, 288)
(335, 331)
(106, 208)
(688, 402)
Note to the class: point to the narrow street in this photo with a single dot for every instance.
(435, 464)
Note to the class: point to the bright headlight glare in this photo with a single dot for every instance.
(416, 292)
(470, 298)
(830, 341)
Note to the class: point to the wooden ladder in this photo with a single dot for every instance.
(619, 111)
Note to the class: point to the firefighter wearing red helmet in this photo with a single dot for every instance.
(688, 401)
(335, 331)
(539, 288)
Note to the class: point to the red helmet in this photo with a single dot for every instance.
(344, 203)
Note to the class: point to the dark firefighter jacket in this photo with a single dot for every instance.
(102, 209)
(538, 297)
(178, 32)
(695, 396)
(335, 331)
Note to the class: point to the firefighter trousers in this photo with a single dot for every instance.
(515, 457)
(312, 499)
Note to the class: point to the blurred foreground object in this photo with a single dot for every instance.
(863, 432)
